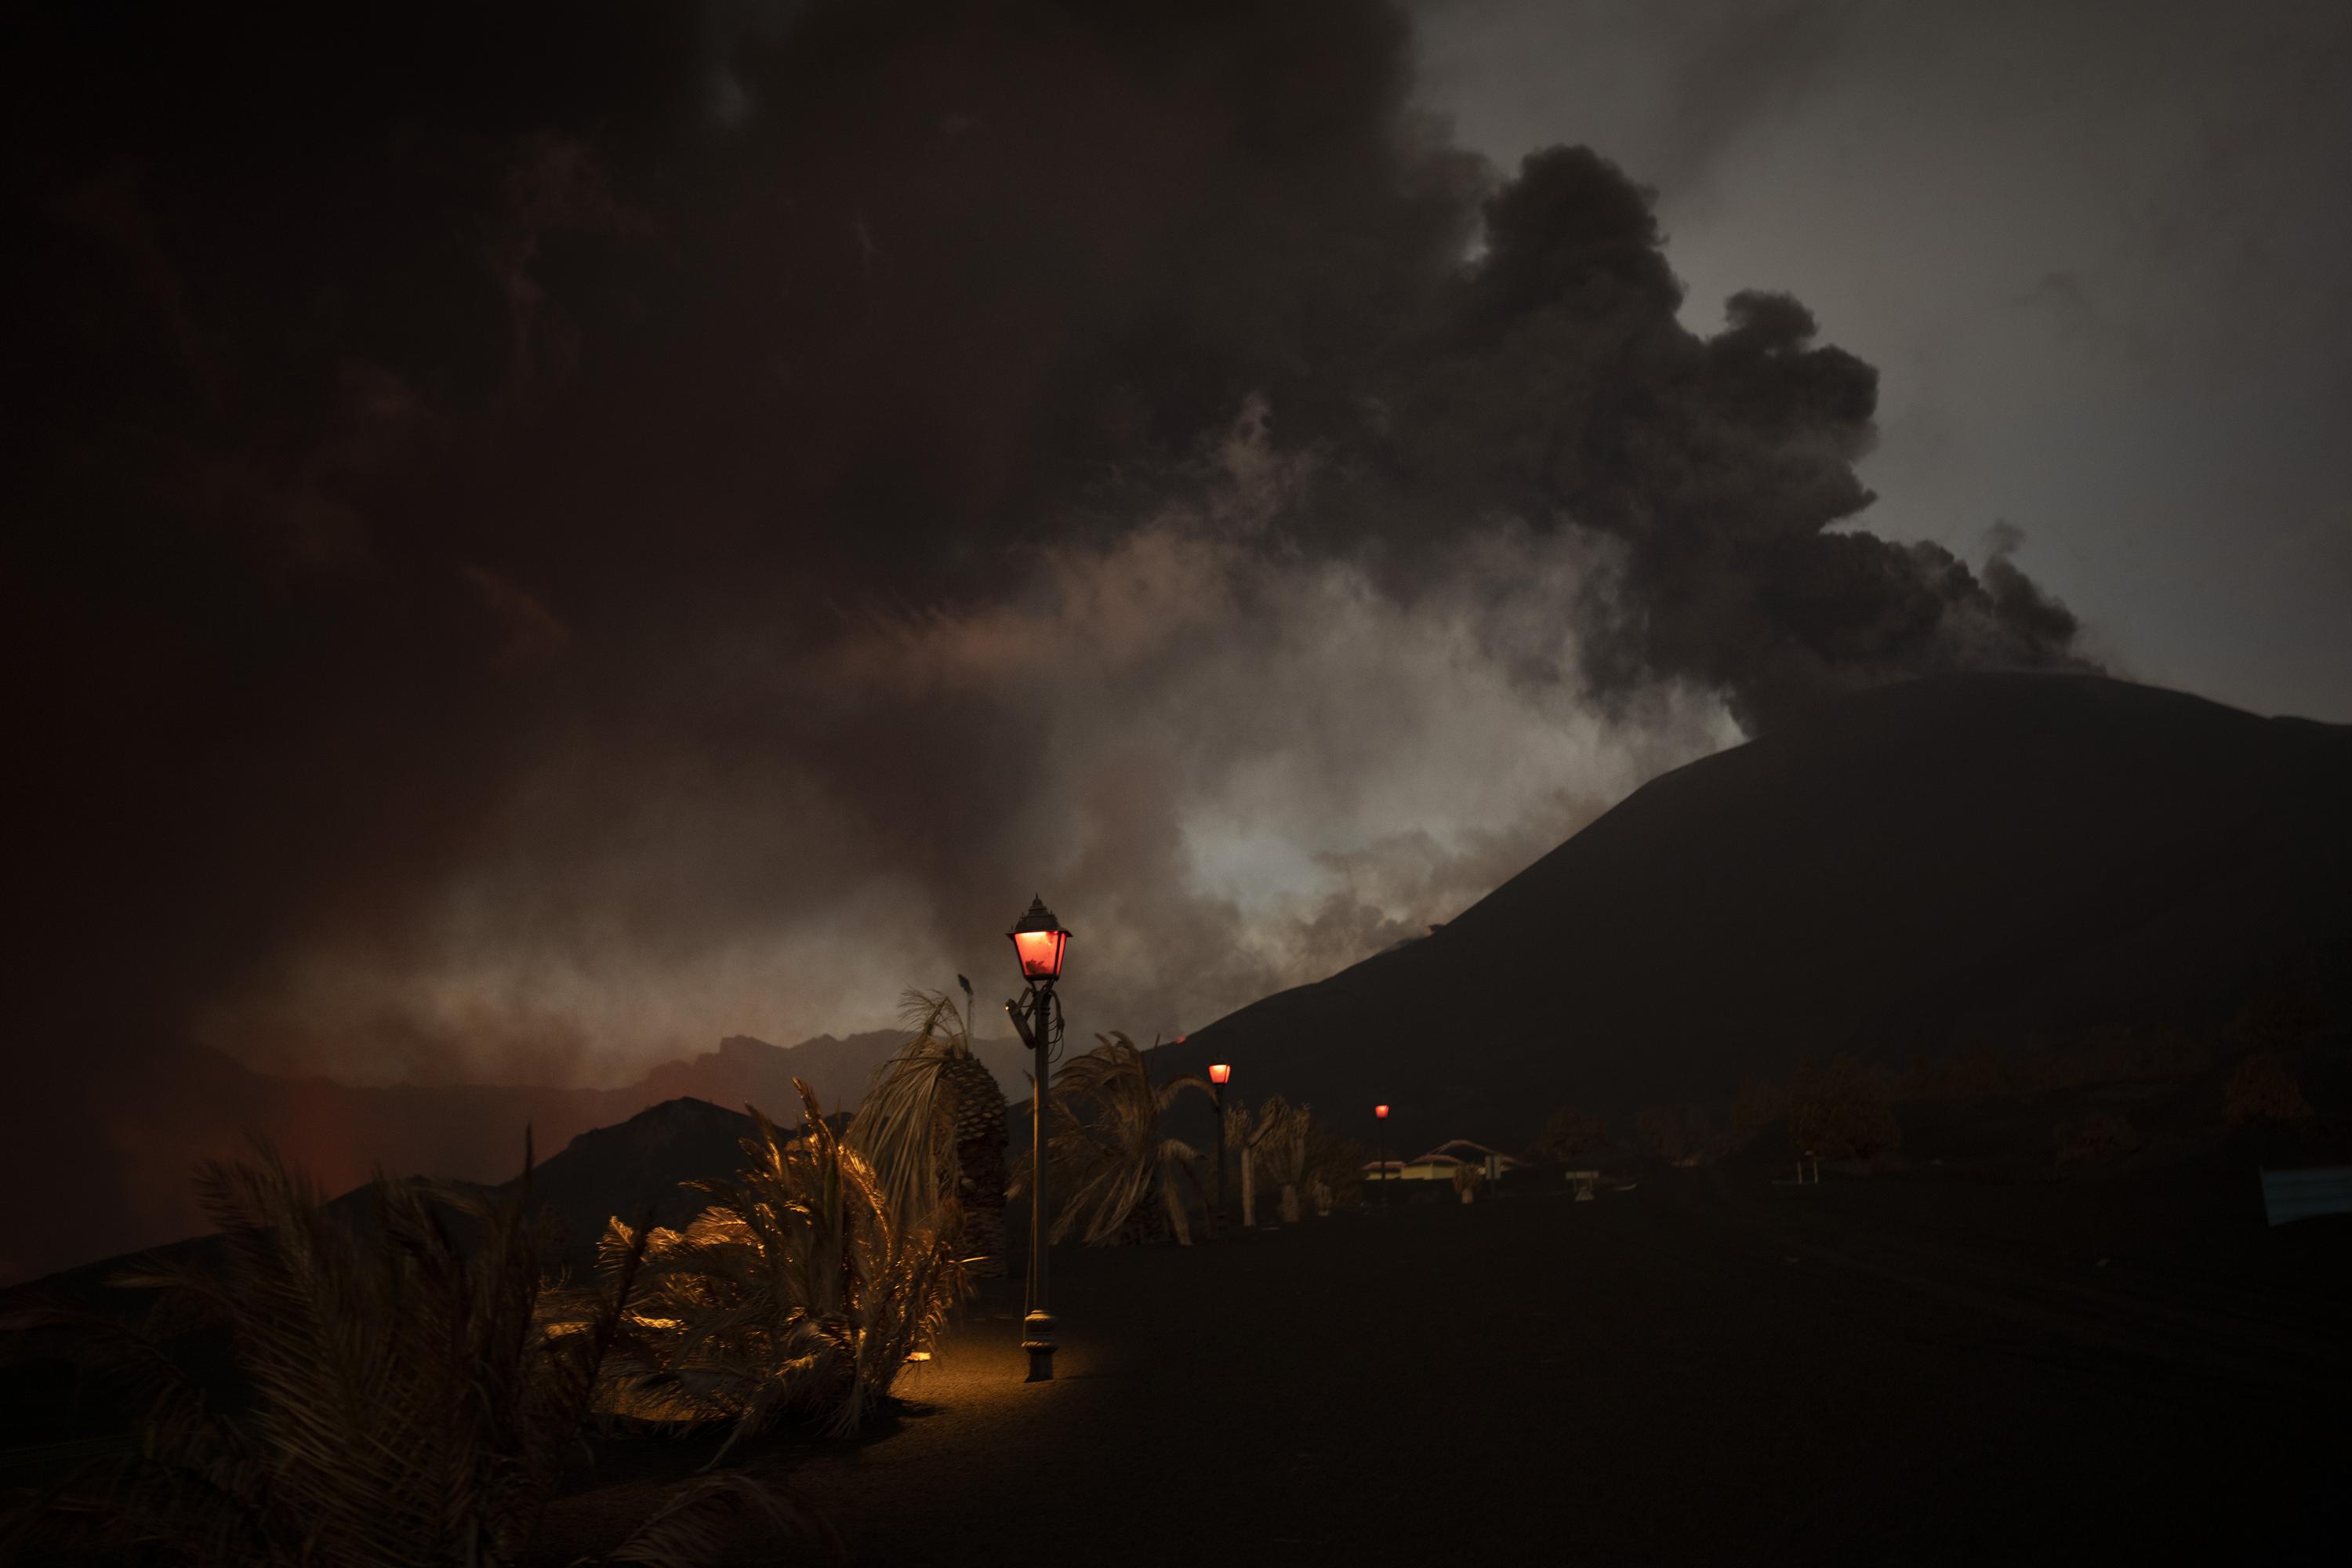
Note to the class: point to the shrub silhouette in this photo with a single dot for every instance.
(2093, 1136)
(1840, 1112)
(1681, 1133)
(1335, 1168)
(1757, 1106)
(2278, 1020)
(2264, 1089)
(2107, 1053)
(413, 1400)
(1570, 1136)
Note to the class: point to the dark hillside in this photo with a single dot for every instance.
(632, 1169)
(1951, 860)
(197, 1105)
(637, 1170)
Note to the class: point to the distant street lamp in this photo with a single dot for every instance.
(1220, 1073)
(1380, 1115)
(1038, 941)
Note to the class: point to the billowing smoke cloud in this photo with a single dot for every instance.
(557, 538)
(1245, 770)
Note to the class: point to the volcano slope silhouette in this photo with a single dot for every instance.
(1959, 861)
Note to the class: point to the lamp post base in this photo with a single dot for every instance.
(1037, 1339)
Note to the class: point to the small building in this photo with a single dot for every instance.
(1440, 1163)
(1430, 1167)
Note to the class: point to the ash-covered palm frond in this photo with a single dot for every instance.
(1111, 1165)
(794, 1290)
(906, 1126)
(706, 1516)
(411, 1401)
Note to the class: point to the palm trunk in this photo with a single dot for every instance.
(1249, 1190)
(1173, 1201)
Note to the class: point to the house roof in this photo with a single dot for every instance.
(1462, 1145)
(1463, 1151)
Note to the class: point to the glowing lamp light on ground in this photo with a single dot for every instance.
(1038, 940)
(1220, 1073)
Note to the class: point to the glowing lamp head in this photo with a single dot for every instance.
(1381, 1111)
(1038, 940)
(1219, 1072)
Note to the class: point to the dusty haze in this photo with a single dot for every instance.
(561, 540)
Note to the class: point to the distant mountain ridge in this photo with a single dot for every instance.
(747, 1071)
(634, 1169)
(161, 1123)
(1914, 868)
(424, 1129)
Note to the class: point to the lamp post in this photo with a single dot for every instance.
(1220, 1073)
(1380, 1115)
(1038, 940)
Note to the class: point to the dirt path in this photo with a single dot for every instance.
(1686, 1372)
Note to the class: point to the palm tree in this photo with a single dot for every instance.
(1110, 1161)
(1277, 1135)
(1285, 1156)
(412, 1401)
(932, 1126)
(794, 1290)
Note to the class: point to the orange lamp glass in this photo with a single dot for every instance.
(1219, 1072)
(1038, 940)
(1381, 1111)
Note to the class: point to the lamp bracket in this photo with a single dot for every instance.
(1038, 1015)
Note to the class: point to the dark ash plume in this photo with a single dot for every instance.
(1555, 386)
(552, 528)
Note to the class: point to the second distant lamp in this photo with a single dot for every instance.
(1220, 1073)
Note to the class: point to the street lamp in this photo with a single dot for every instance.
(1220, 1073)
(1380, 1115)
(1038, 941)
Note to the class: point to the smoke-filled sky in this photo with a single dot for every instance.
(546, 538)
(2096, 249)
